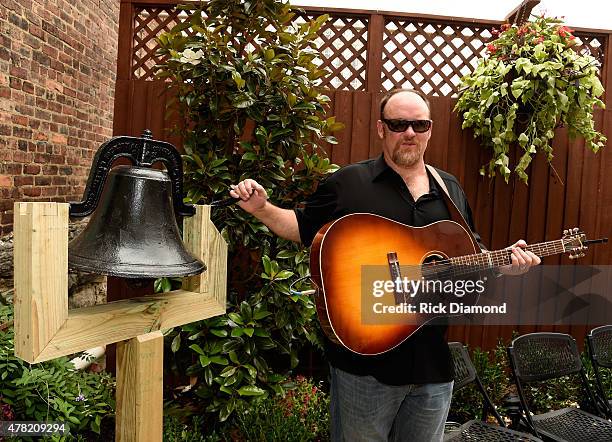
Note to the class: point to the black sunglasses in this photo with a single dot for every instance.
(419, 126)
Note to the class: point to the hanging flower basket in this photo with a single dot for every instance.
(532, 81)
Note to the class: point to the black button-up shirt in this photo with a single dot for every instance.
(373, 187)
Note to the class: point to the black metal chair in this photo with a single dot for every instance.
(599, 341)
(538, 357)
(478, 430)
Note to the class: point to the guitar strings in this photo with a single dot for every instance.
(462, 265)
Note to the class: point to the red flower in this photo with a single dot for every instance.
(6, 412)
(505, 27)
(539, 40)
(564, 31)
(491, 48)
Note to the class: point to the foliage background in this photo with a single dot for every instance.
(246, 84)
(54, 391)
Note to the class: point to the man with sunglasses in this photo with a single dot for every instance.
(403, 394)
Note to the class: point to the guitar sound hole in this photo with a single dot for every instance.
(433, 258)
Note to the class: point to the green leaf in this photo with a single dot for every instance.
(176, 343)
(283, 274)
(219, 360)
(204, 361)
(197, 349)
(219, 332)
(250, 390)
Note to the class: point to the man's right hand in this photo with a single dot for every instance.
(254, 200)
(253, 196)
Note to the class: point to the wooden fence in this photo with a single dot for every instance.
(371, 52)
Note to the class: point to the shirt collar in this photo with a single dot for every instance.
(380, 169)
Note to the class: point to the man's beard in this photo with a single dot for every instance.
(407, 156)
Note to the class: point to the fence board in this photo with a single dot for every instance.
(502, 212)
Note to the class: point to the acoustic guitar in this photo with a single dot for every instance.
(346, 249)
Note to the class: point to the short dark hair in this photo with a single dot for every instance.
(392, 92)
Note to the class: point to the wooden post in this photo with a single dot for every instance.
(41, 275)
(139, 415)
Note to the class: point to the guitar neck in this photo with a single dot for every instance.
(499, 258)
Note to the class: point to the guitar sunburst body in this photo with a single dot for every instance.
(341, 249)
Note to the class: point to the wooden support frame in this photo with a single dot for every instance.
(46, 329)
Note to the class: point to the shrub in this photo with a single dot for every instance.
(301, 415)
(251, 104)
(53, 390)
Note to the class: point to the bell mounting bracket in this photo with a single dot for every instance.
(142, 152)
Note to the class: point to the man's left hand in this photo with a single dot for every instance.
(522, 259)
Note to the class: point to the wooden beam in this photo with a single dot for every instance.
(41, 275)
(521, 13)
(140, 366)
(116, 321)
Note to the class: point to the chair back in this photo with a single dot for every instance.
(542, 356)
(599, 341)
(465, 372)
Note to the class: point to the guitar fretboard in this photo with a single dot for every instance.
(488, 260)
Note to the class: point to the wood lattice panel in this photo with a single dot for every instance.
(431, 57)
(594, 45)
(150, 23)
(342, 42)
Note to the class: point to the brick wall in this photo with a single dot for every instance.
(57, 82)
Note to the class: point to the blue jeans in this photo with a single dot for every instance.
(364, 409)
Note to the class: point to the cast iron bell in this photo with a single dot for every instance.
(133, 232)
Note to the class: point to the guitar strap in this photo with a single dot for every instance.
(455, 213)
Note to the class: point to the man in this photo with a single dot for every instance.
(403, 394)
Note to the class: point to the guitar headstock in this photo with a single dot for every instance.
(574, 242)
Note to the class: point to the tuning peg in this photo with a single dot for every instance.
(575, 229)
(565, 232)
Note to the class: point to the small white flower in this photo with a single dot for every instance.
(191, 56)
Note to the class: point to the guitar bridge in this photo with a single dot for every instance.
(396, 277)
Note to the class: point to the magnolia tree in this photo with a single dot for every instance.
(246, 79)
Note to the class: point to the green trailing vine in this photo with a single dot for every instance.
(532, 81)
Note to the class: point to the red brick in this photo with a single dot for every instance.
(6, 181)
(48, 191)
(28, 87)
(41, 157)
(22, 157)
(15, 83)
(37, 31)
(16, 71)
(42, 181)
(31, 169)
(22, 132)
(58, 138)
(20, 120)
(32, 191)
(11, 168)
(59, 180)
(41, 136)
(49, 169)
(24, 180)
